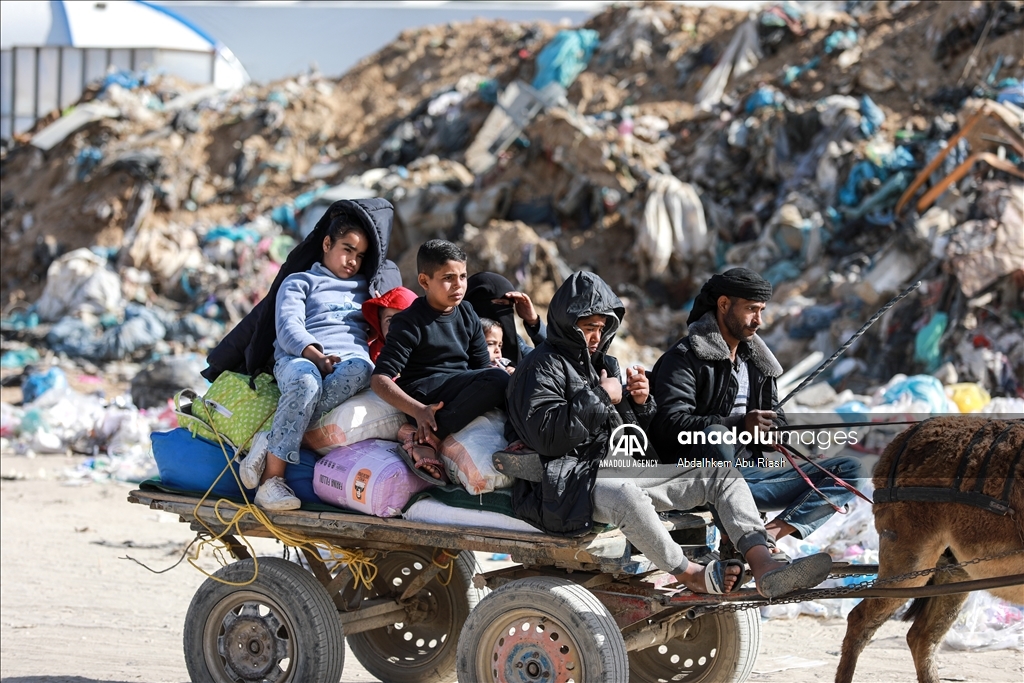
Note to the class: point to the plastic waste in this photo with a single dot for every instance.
(19, 358)
(872, 117)
(920, 393)
(926, 344)
(987, 623)
(840, 40)
(10, 419)
(565, 57)
(968, 396)
(763, 97)
(46, 442)
(37, 385)
(88, 159)
(20, 320)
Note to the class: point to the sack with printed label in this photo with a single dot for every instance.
(364, 416)
(369, 477)
(234, 407)
(467, 454)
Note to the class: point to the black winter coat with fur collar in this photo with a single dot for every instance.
(693, 386)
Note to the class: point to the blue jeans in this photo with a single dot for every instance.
(783, 487)
(306, 396)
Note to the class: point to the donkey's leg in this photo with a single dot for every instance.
(933, 621)
(908, 542)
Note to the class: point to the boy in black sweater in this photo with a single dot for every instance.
(435, 366)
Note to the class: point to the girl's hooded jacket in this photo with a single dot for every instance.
(249, 347)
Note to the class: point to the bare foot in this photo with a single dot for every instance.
(760, 560)
(424, 456)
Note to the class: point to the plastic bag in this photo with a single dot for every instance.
(987, 623)
(44, 388)
(926, 344)
(968, 396)
(917, 394)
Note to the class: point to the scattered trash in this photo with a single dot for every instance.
(987, 623)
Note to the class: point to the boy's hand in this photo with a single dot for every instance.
(426, 424)
(612, 386)
(637, 384)
(522, 305)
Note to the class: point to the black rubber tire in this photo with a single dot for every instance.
(720, 647)
(403, 653)
(547, 628)
(284, 613)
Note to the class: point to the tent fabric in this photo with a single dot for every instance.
(111, 24)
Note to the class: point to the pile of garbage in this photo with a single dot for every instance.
(843, 153)
(55, 418)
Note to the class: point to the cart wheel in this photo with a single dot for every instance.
(541, 629)
(720, 647)
(281, 628)
(422, 651)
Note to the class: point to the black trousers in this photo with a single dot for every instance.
(466, 396)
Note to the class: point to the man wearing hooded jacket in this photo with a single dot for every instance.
(565, 400)
(721, 377)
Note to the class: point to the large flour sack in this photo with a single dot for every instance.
(368, 477)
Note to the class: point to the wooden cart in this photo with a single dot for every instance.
(584, 610)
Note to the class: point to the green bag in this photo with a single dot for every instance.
(231, 407)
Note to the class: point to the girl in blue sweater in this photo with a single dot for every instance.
(321, 357)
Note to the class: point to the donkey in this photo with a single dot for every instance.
(980, 460)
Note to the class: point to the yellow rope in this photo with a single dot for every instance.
(364, 571)
(450, 566)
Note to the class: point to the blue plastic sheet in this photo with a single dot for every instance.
(862, 171)
(926, 344)
(900, 159)
(840, 40)
(1012, 91)
(233, 233)
(872, 117)
(920, 388)
(39, 383)
(761, 98)
(565, 57)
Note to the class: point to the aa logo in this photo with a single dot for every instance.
(628, 440)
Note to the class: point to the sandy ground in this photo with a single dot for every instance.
(74, 611)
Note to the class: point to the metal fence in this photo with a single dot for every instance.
(36, 80)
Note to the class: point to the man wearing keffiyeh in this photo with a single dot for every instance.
(721, 377)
